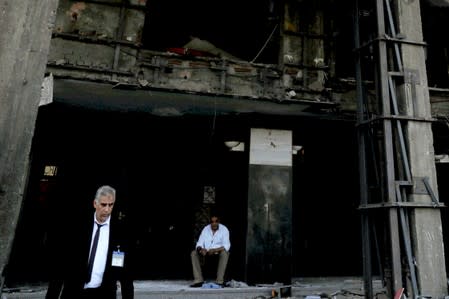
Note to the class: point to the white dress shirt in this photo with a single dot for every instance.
(209, 240)
(101, 255)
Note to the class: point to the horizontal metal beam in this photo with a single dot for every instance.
(401, 205)
(396, 117)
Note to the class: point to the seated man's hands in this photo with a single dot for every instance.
(202, 251)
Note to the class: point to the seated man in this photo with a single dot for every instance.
(213, 241)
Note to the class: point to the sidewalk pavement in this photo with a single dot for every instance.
(307, 288)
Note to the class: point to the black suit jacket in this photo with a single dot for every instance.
(77, 247)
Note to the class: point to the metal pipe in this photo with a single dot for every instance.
(361, 132)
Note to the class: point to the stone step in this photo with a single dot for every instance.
(322, 287)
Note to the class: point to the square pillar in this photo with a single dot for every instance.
(269, 231)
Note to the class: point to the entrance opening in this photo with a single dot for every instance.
(326, 222)
(161, 167)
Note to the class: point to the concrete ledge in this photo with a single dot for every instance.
(325, 287)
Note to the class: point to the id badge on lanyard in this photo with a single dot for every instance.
(118, 258)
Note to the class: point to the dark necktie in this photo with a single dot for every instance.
(92, 252)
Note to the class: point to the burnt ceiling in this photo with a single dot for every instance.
(240, 28)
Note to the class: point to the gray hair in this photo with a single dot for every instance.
(104, 191)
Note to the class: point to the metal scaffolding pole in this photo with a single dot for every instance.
(363, 181)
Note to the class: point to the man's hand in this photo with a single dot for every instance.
(201, 251)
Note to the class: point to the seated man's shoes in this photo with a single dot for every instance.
(197, 284)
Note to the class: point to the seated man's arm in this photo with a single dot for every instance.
(200, 248)
(226, 241)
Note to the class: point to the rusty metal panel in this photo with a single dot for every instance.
(68, 52)
(133, 25)
(87, 19)
(100, 20)
(138, 2)
(73, 53)
(292, 49)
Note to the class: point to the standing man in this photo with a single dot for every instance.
(98, 255)
(213, 241)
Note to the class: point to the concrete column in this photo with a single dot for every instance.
(24, 42)
(269, 231)
(426, 228)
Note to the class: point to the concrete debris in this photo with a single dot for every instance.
(47, 91)
(60, 62)
(143, 82)
(204, 45)
(290, 94)
(236, 284)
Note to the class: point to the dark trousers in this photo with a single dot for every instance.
(54, 289)
(98, 293)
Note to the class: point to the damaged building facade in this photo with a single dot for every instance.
(318, 129)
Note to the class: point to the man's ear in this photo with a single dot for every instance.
(94, 203)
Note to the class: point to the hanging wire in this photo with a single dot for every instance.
(266, 43)
(214, 120)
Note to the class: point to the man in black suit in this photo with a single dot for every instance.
(97, 255)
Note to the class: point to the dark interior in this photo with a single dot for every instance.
(160, 166)
(249, 30)
(437, 44)
(241, 28)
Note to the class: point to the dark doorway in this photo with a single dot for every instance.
(160, 167)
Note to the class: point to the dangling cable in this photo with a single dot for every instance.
(266, 42)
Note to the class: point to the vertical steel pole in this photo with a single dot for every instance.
(361, 137)
(389, 171)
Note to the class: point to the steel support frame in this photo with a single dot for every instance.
(396, 175)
